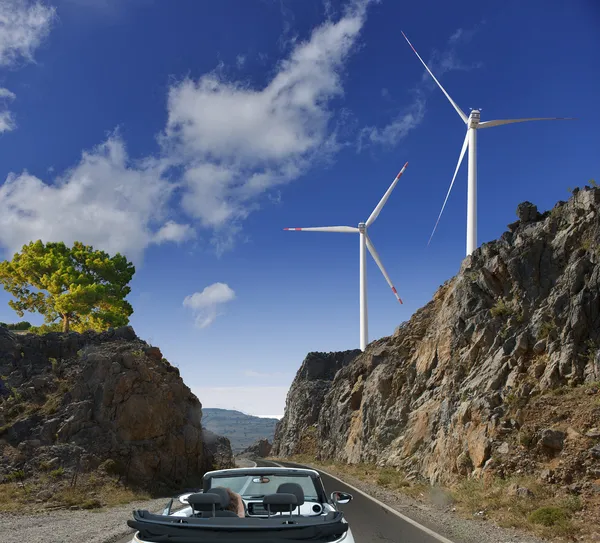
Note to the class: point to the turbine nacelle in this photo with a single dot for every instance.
(474, 118)
(473, 123)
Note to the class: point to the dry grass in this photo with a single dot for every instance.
(541, 513)
(53, 491)
(388, 478)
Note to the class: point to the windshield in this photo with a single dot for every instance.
(257, 486)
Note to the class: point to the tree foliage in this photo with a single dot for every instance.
(83, 287)
(21, 325)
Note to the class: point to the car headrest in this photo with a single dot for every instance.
(205, 502)
(222, 493)
(280, 502)
(292, 488)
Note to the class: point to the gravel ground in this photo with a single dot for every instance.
(99, 526)
(440, 518)
(109, 525)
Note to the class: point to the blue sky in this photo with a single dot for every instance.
(188, 134)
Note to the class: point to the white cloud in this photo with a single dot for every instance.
(206, 304)
(6, 94)
(227, 143)
(257, 401)
(23, 27)
(172, 231)
(236, 142)
(399, 127)
(107, 200)
(7, 121)
(410, 117)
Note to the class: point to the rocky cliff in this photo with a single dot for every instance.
(260, 449)
(305, 399)
(74, 402)
(497, 374)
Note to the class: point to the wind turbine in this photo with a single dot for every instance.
(473, 124)
(365, 243)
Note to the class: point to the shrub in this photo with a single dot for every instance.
(572, 504)
(546, 329)
(112, 467)
(384, 479)
(500, 309)
(549, 516)
(45, 329)
(526, 438)
(22, 325)
(93, 503)
(58, 472)
(18, 475)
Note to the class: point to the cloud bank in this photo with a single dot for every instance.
(229, 144)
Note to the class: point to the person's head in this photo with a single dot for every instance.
(234, 501)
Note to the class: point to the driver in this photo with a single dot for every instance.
(236, 504)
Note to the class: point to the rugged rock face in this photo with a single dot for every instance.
(260, 449)
(497, 374)
(305, 398)
(76, 401)
(218, 450)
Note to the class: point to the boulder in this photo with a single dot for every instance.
(552, 439)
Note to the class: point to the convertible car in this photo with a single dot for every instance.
(281, 505)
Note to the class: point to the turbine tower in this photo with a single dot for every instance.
(364, 244)
(473, 124)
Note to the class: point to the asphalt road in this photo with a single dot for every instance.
(369, 521)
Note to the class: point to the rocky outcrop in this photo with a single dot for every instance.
(79, 401)
(218, 450)
(495, 374)
(260, 449)
(305, 398)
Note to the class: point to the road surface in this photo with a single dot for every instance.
(369, 521)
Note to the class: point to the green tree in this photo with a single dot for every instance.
(22, 325)
(83, 287)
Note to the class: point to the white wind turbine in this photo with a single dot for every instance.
(365, 243)
(473, 124)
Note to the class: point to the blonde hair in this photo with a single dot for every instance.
(234, 501)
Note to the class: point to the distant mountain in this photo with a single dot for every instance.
(242, 430)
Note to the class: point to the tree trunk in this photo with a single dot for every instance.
(65, 323)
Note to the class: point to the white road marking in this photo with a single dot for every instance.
(428, 531)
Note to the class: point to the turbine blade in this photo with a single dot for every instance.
(343, 229)
(378, 261)
(464, 117)
(489, 124)
(460, 158)
(380, 205)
